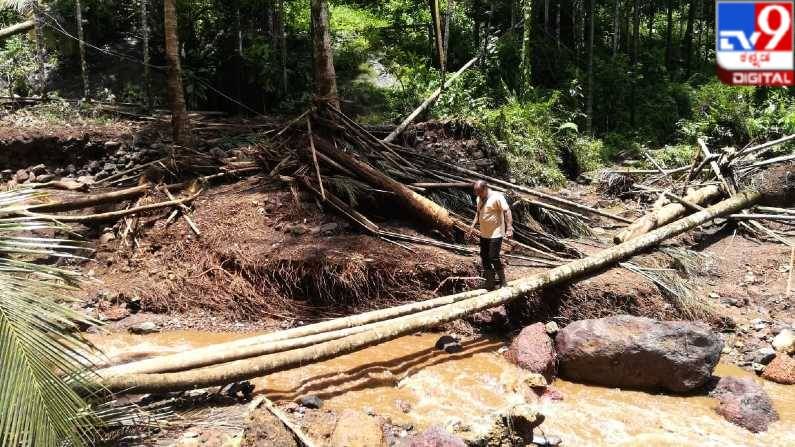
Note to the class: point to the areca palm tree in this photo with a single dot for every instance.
(45, 366)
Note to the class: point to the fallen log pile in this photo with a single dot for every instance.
(714, 174)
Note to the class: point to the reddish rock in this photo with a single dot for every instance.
(550, 395)
(434, 437)
(743, 402)
(533, 350)
(640, 353)
(781, 370)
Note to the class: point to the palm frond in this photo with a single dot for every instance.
(45, 361)
(18, 5)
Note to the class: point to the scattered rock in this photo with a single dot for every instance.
(448, 344)
(112, 144)
(147, 327)
(781, 370)
(21, 176)
(512, 426)
(105, 238)
(44, 178)
(434, 437)
(533, 350)
(743, 402)
(263, 429)
(636, 352)
(784, 341)
(764, 356)
(493, 318)
(355, 429)
(38, 169)
(546, 440)
(551, 328)
(310, 401)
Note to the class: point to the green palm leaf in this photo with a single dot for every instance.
(44, 361)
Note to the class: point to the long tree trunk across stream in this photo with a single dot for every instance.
(245, 369)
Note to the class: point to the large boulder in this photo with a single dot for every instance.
(534, 351)
(781, 370)
(434, 437)
(636, 352)
(355, 429)
(743, 402)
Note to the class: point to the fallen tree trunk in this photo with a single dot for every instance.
(113, 214)
(422, 207)
(666, 214)
(262, 344)
(428, 101)
(258, 366)
(21, 27)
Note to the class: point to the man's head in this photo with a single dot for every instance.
(481, 189)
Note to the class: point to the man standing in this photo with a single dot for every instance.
(495, 219)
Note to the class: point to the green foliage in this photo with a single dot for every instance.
(736, 116)
(17, 65)
(44, 357)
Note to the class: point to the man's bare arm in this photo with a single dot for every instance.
(508, 223)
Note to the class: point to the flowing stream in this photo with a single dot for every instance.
(412, 383)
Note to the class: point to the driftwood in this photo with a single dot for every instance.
(258, 366)
(666, 214)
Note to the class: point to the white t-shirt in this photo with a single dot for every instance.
(491, 216)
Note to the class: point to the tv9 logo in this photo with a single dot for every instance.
(755, 42)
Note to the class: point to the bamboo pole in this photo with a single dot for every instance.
(220, 353)
(666, 214)
(259, 366)
(428, 101)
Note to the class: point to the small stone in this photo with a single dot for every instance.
(21, 176)
(758, 368)
(448, 344)
(551, 328)
(44, 178)
(764, 355)
(714, 295)
(147, 327)
(535, 380)
(86, 179)
(784, 341)
(110, 144)
(38, 169)
(310, 401)
(106, 238)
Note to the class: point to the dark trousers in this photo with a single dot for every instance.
(490, 253)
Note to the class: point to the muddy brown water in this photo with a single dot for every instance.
(411, 383)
